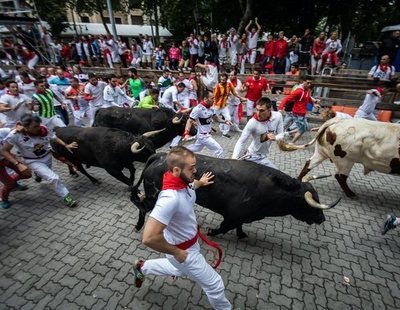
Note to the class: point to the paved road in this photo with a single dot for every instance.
(52, 257)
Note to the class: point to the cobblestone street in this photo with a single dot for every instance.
(52, 257)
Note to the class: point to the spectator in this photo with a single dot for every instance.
(201, 55)
(147, 52)
(159, 54)
(174, 54)
(280, 54)
(193, 49)
(382, 72)
(333, 47)
(391, 47)
(269, 50)
(184, 61)
(316, 54)
(252, 39)
(306, 43)
(293, 47)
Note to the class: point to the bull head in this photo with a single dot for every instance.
(313, 203)
(152, 133)
(135, 148)
(177, 120)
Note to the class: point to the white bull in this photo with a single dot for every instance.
(375, 145)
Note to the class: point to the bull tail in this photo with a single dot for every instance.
(94, 119)
(283, 146)
(135, 197)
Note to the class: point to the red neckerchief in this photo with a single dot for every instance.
(11, 94)
(172, 182)
(234, 83)
(383, 67)
(224, 43)
(203, 103)
(257, 118)
(252, 34)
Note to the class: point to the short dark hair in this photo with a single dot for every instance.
(223, 74)
(176, 157)
(154, 91)
(133, 70)
(39, 81)
(27, 119)
(181, 84)
(8, 83)
(74, 79)
(91, 75)
(264, 101)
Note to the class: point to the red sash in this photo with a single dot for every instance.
(187, 244)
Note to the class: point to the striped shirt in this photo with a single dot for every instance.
(45, 102)
(221, 93)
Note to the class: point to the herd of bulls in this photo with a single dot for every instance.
(243, 192)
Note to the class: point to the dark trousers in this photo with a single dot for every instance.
(63, 113)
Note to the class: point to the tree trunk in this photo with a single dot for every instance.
(100, 10)
(246, 16)
(156, 21)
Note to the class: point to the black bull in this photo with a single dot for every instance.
(242, 192)
(108, 148)
(139, 121)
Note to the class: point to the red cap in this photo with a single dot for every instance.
(380, 90)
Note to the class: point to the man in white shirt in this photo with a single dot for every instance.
(14, 105)
(233, 46)
(252, 38)
(172, 229)
(234, 102)
(211, 78)
(193, 49)
(113, 47)
(183, 97)
(147, 51)
(113, 95)
(170, 97)
(367, 109)
(27, 85)
(202, 115)
(384, 71)
(94, 94)
(263, 128)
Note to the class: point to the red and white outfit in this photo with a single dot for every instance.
(252, 39)
(9, 180)
(332, 49)
(115, 96)
(254, 92)
(184, 96)
(233, 105)
(222, 51)
(36, 154)
(94, 94)
(175, 209)
(383, 72)
(316, 56)
(80, 106)
(233, 49)
(258, 151)
(192, 93)
(203, 115)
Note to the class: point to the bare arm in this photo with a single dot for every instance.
(248, 25)
(189, 123)
(69, 147)
(258, 25)
(5, 151)
(153, 237)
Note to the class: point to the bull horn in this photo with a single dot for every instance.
(288, 147)
(312, 203)
(308, 178)
(186, 111)
(152, 133)
(176, 120)
(135, 148)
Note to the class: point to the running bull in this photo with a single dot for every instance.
(108, 148)
(375, 145)
(242, 192)
(139, 121)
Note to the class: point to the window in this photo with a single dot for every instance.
(107, 20)
(136, 20)
(85, 19)
(118, 20)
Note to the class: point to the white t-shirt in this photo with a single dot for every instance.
(333, 46)
(113, 47)
(203, 117)
(113, 96)
(212, 74)
(169, 97)
(233, 43)
(255, 129)
(31, 147)
(27, 89)
(96, 92)
(147, 48)
(252, 39)
(12, 117)
(82, 103)
(175, 209)
(376, 72)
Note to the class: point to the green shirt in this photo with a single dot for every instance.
(147, 102)
(136, 86)
(45, 102)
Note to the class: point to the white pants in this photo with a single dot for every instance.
(33, 62)
(208, 142)
(233, 58)
(42, 167)
(91, 113)
(316, 65)
(136, 62)
(362, 114)
(79, 115)
(242, 63)
(249, 107)
(53, 122)
(227, 116)
(196, 268)
(252, 56)
(261, 160)
(175, 141)
(234, 113)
